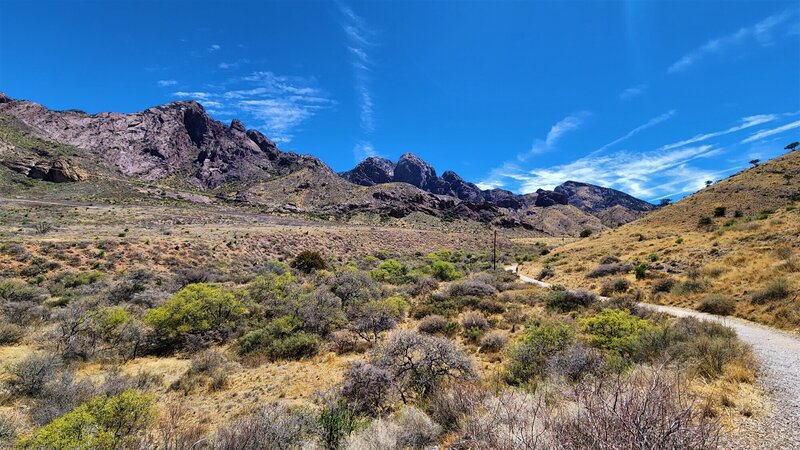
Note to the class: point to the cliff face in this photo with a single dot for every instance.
(178, 145)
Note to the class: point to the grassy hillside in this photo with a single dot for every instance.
(733, 247)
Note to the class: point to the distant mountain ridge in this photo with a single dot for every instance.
(413, 170)
(179, 151)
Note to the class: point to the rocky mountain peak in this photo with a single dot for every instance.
(413, 170)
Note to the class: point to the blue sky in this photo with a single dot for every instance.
(650, 97)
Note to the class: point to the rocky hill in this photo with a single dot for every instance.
(733, 247)
(178, 151)
(612, 207)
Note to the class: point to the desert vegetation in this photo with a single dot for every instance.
(384, 350)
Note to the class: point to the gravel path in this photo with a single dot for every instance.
(778, 355)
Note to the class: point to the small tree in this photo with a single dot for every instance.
(418, 363)
(308, 261)
(586, 233)
(791, 147)
(755, 162)
(665, 202)
(196, 309)
(709, 183)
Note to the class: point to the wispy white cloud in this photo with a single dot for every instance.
(650, 123)
(363, 150)
(760, 33)
(633, 91)
(766, 133)
(276, 104)
(214, 48)
(360, 40)
(744, 123)
(165, 83)
(632, 172)
(569, 123)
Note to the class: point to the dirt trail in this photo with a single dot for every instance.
(778, 355)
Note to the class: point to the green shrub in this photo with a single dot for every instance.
(723, 305)
(614, 286)
(444, 271)
(640, 271)
(529, 358)
(103, 423)
(774, 290)
(586, 233)
(706, 347)
(719, 211)
(17, 291)
(705, 221)
(309, 261)
(616, 330)
(196, 309)
(569, 300)
(72, 280)
(280, 339)
(390, 271)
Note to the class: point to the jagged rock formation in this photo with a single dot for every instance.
(181, 147)
(595, 199)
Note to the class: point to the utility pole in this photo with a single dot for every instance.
(494, 252)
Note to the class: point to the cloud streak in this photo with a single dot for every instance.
(360, 40)
(745, 122)
(557, 131)
(760, 33)
(633, 91)
(276, 104)
(767, 133)
(166, 83)
(650, 123)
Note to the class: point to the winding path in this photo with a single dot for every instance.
(778, 354)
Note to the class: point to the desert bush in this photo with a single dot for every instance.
(10, 333)
(616, 330)
(282, 338)
(355, 287)
(609, 259)
(390, 271)
(344, 341)
(576, 362)
(8, 431)
(423, 286)
(475, 320)
(493, 342)
(509, 420)
(410, 428)
(321, 312)
(433, 324)
(335, 419)
(271, 291)
(646, 410)
(720, 211)
(418, 363)
(640, 271)
(609, 269)
(528, 359)
(471, 288)
(689, 286)
(274, 426)
(368, 389)
(617, 285)
(663, 285)
(103, 423)
(705, 221)
(16, 291)
(196, 309)
(371, 319)
(545, 273)
(706, 347)
(450, 405)
(184, 276)
(777, 289)
(720, 304)
(208, 361)
(569, 300)
(490, 306)
(28, 376)
(444, 271)
(59, 396)
(309, 261)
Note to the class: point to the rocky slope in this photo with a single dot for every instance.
(178, 146)
(612, 207)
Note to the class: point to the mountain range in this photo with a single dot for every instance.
(178, 150)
